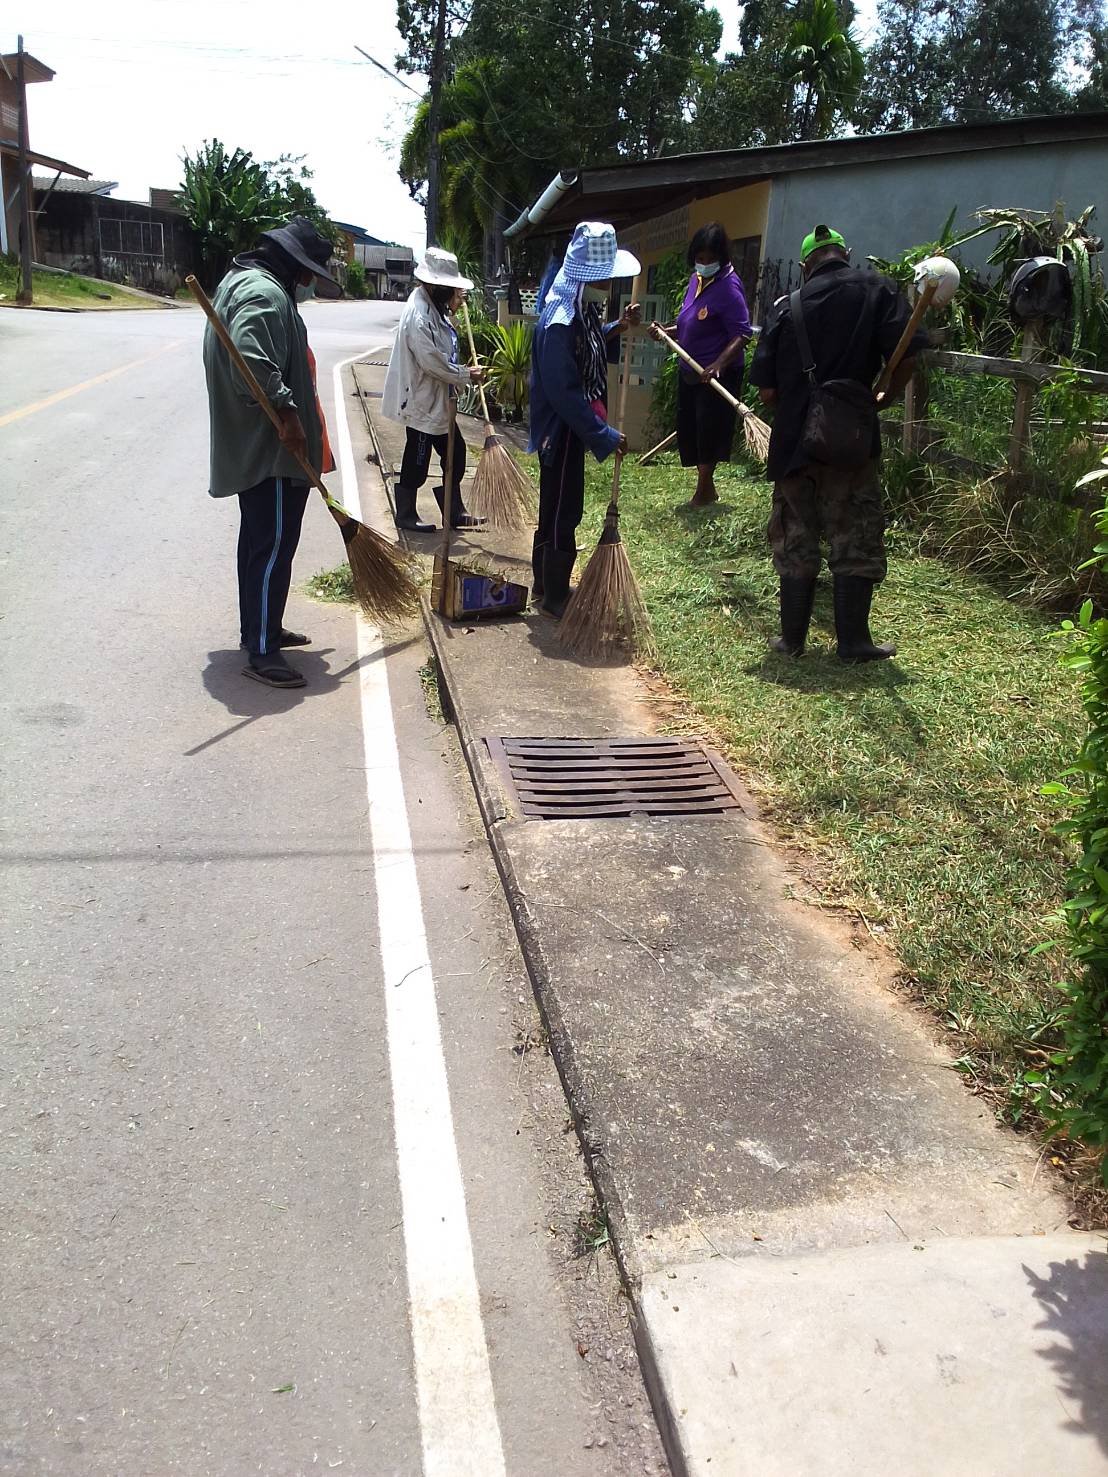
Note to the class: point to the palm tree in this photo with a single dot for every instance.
(480, 174)
(824, 66)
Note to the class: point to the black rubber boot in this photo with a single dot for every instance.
(796, 616)
(853, 597)
(537, 552)
(557, 566)
(459, 518)
(406, 515)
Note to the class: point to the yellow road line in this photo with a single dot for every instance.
(16, 415)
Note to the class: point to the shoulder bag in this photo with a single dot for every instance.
(841, 421)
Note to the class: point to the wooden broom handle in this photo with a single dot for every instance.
(921, 307)
(744, 410)
(448, 501)
(476, 365)
(251, 383)
(626, 358)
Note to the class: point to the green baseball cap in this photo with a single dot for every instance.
(821, 236)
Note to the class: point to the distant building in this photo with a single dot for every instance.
(81, 227)
(388, 267)
(10, 203)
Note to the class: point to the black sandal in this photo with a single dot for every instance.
(288, 638)
(273, 671)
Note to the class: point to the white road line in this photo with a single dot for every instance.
(457, 1408)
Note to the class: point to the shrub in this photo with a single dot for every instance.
(672, 280)
(510, 367)
(356, 285)
(1074, 1086)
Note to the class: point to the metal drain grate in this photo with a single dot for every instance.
(576, 778)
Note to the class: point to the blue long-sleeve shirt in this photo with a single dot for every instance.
(558, 396)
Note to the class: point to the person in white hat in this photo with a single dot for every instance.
(424, 374)
(569, 389)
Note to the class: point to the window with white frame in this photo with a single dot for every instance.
(132, 238)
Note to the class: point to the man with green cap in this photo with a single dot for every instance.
(842, 324)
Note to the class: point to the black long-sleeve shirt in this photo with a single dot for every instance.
(854, 319)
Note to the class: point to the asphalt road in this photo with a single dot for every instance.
(271, 1200)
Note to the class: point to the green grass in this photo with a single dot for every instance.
(916, 781)
(333, 584)
(51, 290)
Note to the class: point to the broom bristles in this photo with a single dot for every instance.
(607, 606)
(756, 434)
(384, 575)
(502, 492)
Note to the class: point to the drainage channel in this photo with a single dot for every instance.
(604, 779)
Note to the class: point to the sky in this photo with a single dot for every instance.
(139, 81)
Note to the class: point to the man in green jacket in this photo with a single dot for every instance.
(249, 459)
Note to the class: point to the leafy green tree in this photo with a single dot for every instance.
(824, 66)
(936, 63)
(907, 82)
(796, 76)
(481, 172)
(229, 199)
(415, 20)
(611, 80)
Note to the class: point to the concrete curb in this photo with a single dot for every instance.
(495, 818)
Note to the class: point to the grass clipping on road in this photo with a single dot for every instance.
(67, 290)
(915, 781)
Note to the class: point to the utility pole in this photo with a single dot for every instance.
(438, 56)
(25, 295)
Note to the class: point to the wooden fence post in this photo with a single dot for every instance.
(1026, 390)
(916, 400)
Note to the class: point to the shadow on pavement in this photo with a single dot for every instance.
(1074, 1298)
(223, 678)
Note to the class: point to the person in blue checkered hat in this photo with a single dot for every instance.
(569, 397)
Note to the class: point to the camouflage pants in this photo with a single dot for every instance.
(842, 508)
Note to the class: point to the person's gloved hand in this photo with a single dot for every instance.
(293, 436)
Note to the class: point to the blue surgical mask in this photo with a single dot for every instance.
(707, 269)
(303, 294)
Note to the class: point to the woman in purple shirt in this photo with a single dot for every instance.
(712, 326)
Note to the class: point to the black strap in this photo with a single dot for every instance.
(807, 359)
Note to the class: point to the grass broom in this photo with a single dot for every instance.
(756, 432)
(501, 491)
(383, 574)
(607, 605)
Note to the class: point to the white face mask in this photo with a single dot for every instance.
(707, 269)
(597, 295)
(304, 294)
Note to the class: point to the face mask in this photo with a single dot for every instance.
(707, 269)
(597, 295)
(303, 294)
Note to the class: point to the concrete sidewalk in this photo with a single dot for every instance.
(841, 1264)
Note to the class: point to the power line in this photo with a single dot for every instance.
(382, 68)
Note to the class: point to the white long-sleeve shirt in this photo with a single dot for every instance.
(422, 368)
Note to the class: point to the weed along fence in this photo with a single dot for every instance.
(919, 435)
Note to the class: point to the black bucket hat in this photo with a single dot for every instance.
(309, 249)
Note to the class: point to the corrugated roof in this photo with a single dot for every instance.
(637, 190)
(76, 186)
